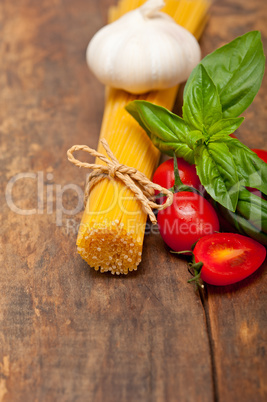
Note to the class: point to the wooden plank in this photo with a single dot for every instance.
(68, 333)
(237, 314)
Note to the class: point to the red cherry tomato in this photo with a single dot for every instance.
(190, 217)
(255, 192)
(263, 155)
(228, 257)
(164, 175)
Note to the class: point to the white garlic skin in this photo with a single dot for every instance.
(143, 51)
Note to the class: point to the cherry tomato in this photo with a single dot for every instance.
(164, 175)
(256, 192)
(228, 257)
(261, 154)
(190, 217)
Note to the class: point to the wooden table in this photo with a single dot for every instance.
(68, 333)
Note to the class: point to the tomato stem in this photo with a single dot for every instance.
(197, 272)
(178, 184)
(182, 252)
(196, 266)
(177, 180)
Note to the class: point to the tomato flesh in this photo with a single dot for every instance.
(190, 217)
(228, 257)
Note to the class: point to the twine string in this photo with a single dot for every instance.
(136, 181)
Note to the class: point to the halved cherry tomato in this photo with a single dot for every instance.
(190, 217)
(164, 175)
(228, 257)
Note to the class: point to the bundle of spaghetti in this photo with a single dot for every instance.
(112, 229)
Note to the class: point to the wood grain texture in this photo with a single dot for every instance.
(237, 313)
(68, 333)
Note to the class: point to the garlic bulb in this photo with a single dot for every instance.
(144, 50)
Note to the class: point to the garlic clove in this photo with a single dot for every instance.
(142, 51)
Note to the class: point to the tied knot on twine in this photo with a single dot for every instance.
(137, 182)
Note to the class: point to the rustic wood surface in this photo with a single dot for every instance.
(66, 332)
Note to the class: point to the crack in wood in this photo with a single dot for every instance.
(204, 301)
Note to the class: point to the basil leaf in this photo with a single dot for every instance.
(158, 120)
(166, 130)
(251, 169)
(202, 107)
(237, 70)
(253, 208)
(217, 172)
(225, 127)
(243, 225)
(169, 147)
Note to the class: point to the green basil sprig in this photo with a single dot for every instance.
(218, 90)
(237, 70)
